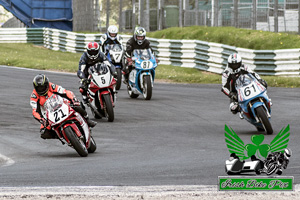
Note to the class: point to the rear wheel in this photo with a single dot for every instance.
(147, 88)
(261, 114)
(119, 78)
(108, 108)
(77, 143)
(93, 146)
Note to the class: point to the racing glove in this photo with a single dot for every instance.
(129, 61)
(44, 122)
(75, 102)
(233, 96)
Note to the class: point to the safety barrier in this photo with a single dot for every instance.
(206, 56)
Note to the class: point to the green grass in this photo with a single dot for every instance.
(250, 39)
(31, 56)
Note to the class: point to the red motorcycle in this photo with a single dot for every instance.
(69, 125)
(101, 92)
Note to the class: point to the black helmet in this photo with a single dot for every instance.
(234, 61)
(139, 35)
(41, 84)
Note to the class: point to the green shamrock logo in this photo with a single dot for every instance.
(236, 145)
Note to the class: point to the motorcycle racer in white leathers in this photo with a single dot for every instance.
(230, 74)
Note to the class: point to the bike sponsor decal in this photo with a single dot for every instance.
(53, 86)
(256, 184)
(257, 158)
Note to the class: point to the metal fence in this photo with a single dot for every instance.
(268, 15)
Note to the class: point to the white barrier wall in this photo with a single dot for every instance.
(202, 55)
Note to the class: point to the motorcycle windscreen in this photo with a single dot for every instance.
(114, 47)
(143, 54)
(57, 110)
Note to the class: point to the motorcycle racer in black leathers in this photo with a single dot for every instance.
(230, 74)
(138, 41)
(89, 58)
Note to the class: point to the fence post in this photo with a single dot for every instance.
(299, 17)
(214, 13)
(147, 23)
(180, 13)
(276, 16)
(197, 12)
(133, 15)
(235, 13)
(120, 16)
(142, 21)
(254, 17)
(107, 13)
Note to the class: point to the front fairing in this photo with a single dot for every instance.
(251, 94)
(144, 64)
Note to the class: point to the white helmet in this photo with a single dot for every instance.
(234, 61)
(112, 32)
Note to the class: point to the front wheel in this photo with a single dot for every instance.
(109, 111)
(119, 78)
(147, 88)
(93, 146)
(77, 143)
(261, 114)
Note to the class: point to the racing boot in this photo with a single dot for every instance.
(234, 107)
(241, 115)
(85, 99)
(90, 122)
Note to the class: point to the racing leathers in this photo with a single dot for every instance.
(37, 103)
(105, 40)
(228, 84)
(83, 71)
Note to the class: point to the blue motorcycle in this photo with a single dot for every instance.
(254, 102)
(141, 77)
(115, 54)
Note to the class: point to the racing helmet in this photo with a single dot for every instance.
(112, 32)
(93, 50)
(287, 153)
(139, 35)
(41, 84)
(234, 61)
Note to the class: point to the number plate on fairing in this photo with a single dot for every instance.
(59, 115)
(249, 91)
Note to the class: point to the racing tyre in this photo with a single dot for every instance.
(119, 78)
(261, 114)
(93, 146)
(77, 143)
(147, 88)
(108, 107)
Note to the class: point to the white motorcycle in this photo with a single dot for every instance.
(115, 54)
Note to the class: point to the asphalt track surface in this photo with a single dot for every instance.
(176, 138)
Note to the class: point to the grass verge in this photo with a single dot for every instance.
(250, 39)
(30, 56)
